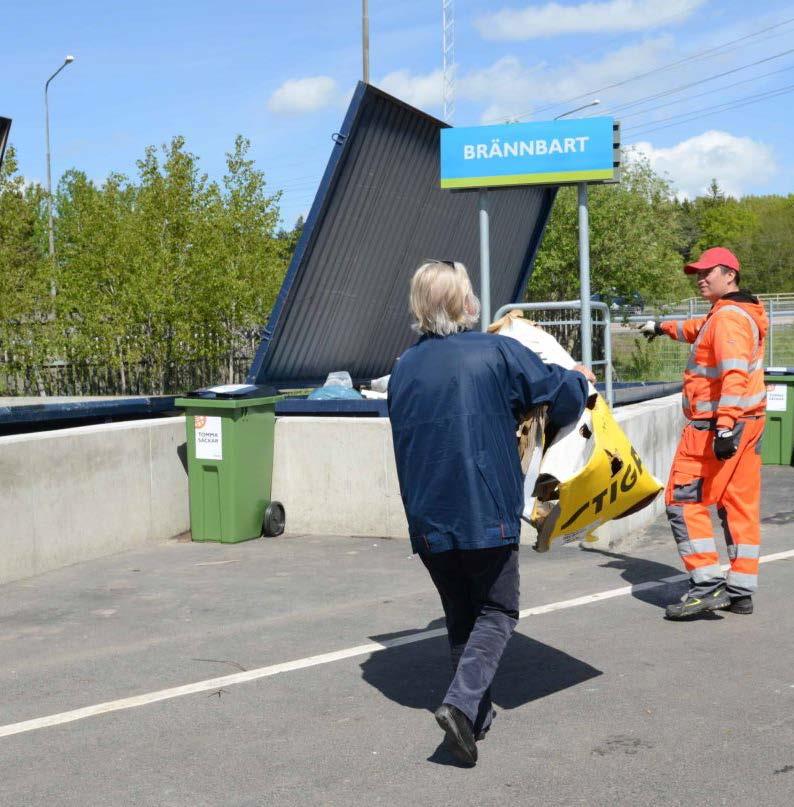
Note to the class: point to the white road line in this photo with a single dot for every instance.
(324, 658)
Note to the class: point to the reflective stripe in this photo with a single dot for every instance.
(748, 550)
(702, 369)
(706, 406)
(733, 364)
(703, 545)
(749, 582)
(679, 331)
(696, 546)
(716, 372)
(705, 573)
(745, 402)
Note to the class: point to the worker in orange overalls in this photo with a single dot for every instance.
(718, 460)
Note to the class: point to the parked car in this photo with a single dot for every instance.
(630, 304)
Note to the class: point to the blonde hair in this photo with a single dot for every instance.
(442, 299)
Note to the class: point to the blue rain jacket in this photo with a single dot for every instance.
(455, 403)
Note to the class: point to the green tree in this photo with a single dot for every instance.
(722, 221)
(95, 288)
(634, 238)
(767, 256)
(25, 272)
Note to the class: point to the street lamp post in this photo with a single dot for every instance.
(68, 60)
(584, 259)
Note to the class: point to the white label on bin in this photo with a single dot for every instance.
(209, 443)
(776, 397)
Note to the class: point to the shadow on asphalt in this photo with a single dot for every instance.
(417, 675)
(783, 517)
(636, 570)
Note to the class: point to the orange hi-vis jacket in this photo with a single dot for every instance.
(724, 377)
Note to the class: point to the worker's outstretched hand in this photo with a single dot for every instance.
(650, 330)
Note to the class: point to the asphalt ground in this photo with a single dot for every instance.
(600, 700)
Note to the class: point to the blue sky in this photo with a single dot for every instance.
(281, 74)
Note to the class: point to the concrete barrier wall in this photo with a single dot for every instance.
(653, 428)
(76, 494)
(335, 479)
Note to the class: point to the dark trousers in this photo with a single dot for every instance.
(479, 593)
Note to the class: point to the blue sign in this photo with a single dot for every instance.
(543, 153)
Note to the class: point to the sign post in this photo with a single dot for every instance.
(577, 151)
(485, 262)
(584, 276)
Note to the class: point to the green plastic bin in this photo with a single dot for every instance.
(777, 447)
(230, 468)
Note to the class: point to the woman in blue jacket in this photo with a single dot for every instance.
(455, 400)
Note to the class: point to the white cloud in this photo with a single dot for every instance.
(422, 91)
(510, 88)
(553, 19)
(300, 95)
(738, 163)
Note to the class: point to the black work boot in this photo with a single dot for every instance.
(460, 735)
(741, 605)
(694, 603)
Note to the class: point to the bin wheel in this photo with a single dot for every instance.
(273, 522)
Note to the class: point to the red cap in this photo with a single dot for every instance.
(716, 256)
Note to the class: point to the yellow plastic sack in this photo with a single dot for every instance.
(613, 483)
(589, 473)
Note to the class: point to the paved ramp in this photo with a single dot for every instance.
(304, 670)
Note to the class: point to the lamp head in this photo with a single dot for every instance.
(69, 59)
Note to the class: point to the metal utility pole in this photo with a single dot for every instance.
(584, 260)
(68, 60)
(448, 59)
(365, 38)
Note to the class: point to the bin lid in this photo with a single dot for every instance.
(379, 212)
(232, 391)
(225, 403)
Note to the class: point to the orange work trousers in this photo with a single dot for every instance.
(697, 481)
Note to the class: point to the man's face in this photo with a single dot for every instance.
(713, 284)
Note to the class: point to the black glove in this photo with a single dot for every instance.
(650, 330)
(726, 444)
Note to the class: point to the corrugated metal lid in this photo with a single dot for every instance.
(379, 212)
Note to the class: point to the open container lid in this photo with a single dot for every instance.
(378, 214)
(5, 128)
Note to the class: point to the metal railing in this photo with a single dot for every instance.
(606, 323)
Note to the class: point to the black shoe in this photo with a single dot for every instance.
(741, 605)
(696, 604)
(460, 736)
